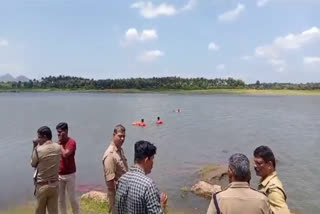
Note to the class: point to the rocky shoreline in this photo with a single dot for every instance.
(211, 178)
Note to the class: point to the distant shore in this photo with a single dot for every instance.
(180, 91)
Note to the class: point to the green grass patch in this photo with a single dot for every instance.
(185, 189)
(208, 168)
(94, 207)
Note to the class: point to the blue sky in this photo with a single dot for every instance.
(266, 40)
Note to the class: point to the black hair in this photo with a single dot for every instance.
(142, 120)
(63, 126)
(158, 118)
(45, 131)
(266, 154)
(143, 149)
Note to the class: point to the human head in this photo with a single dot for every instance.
(264, 160)
(158, 118)
(62, 129)
(144, 153)
(119, 135)
(239, 168)
(142, 120)
(44, 134)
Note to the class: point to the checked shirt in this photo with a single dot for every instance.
(137, 194)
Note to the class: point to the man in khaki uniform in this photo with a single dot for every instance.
(114, 163)
(45, 159)
(265, 165)
(238, 197)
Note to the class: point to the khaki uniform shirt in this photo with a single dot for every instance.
(273, 188)
(114, 163)
(46, 158)
(239, 198)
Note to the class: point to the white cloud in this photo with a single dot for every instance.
(148, 35)
(311, 60)
(150, 56)
(213, 46)
(221, 67)
(149, 10)
(132, 35)
(261, 3)
(275, 52)
(232, 14)
(289, 42)
(295, 41)
(3, 42)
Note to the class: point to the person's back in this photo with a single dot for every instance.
(45, 159)
(48, 164)
(134, 190)
(137, 193)
(239, 198)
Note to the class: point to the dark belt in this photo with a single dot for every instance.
(46, 182)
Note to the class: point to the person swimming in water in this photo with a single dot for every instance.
(139, 123)
(142, 123)
(178, 110)
(159, 121)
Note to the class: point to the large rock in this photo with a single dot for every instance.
(96, 196)
(213, 174)
(205, 189)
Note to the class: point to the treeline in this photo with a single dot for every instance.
(73, 83)
(155, 83)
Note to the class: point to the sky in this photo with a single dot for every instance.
(265, 40)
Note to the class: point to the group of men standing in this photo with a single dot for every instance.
(131, 191)
(239, 197)
(55, 170)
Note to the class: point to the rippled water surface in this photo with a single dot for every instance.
(208, 130)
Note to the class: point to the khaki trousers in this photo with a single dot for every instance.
(47, 198)
(67, 183)
(111, 200)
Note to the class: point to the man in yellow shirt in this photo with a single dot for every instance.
(45, 159)
(114, 163)
(239, 197)
(265, 167)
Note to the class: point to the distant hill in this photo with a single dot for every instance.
(10, 78)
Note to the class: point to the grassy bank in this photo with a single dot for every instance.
(87, 207)
(180, 91)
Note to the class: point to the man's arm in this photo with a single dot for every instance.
(109, 169)
(69, 150)
(276, 198)
(34, 155)
(34, 158)
(152, 198)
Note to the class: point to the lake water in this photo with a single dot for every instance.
(209, 129)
